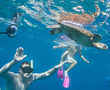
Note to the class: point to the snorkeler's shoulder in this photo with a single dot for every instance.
(9, 75)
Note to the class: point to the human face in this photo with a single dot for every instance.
(26, 70)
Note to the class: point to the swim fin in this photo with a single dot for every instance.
(60, 73)
(66, 82)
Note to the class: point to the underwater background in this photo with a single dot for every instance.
(34, 37)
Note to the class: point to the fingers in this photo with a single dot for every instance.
(19, 54)
(20, 51)
(19, 48)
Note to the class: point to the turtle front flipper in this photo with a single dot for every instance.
(56, 29)
(100, 45)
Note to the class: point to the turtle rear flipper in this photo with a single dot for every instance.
(96, 38)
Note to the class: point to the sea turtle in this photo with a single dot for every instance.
(79, 34)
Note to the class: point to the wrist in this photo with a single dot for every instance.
(56, 67)
(15, 61)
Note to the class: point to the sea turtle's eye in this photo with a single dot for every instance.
(105, 47)
(95, 14)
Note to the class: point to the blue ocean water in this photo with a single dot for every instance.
(34, 37)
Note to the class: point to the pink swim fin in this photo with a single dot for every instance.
(66, 82)
(60, 73)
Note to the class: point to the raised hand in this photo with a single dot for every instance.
(19, 55)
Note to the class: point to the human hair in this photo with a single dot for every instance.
(25, 62)
(26, 68)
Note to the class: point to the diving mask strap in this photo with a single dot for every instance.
(3, 32)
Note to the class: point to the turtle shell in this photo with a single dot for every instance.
(82, 19)
(79, 34)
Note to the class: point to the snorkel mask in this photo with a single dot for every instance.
(28, 68)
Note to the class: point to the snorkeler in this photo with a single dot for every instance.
(13, 28)
(25, 76)
(71, 50)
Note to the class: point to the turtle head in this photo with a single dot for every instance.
(97, 37)
(100, 45)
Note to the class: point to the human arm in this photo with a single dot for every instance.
(19, 55)
(60, 45)
(48, 72)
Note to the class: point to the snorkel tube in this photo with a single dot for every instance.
(31, 64)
